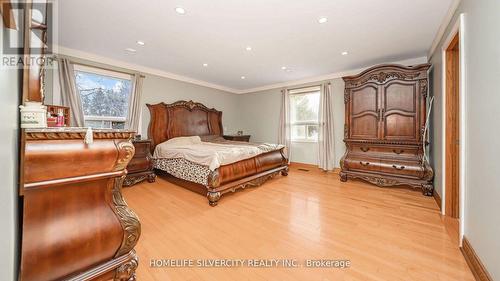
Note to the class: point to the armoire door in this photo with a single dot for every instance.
(364, 108)
(400, 111)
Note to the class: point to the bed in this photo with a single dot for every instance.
(189, 120)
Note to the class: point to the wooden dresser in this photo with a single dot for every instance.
(140, 167)
(385, 111)
(75, 222)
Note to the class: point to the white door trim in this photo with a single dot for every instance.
(459, 27)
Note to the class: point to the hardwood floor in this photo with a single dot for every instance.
(387, 234)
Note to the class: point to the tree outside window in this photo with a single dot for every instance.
(105, 97)
(304, 116)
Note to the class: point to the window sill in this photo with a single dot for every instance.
(304, 141)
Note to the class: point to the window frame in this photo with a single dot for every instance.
(109, 73)
(304, 91)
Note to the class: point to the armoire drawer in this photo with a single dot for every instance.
(385, 151)
(362, 164)
(397, 168)
(400, 168)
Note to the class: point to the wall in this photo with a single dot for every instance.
(254, 113)
(482, 70)
(261, 111)
(159, 89)
(10, 93)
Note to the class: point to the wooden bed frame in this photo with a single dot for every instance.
(188, 118)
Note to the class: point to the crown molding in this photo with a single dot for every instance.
(148, 70)
(444, 25)
(412, 61)
(139, 68)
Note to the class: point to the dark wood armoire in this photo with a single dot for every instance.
(385, 112)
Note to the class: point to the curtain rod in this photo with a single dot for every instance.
(304, 87)
(100, 67)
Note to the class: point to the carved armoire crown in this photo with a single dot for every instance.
(385, 111)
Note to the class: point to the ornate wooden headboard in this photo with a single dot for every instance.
(182, 118)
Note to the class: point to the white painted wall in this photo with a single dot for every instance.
(10, 91)
(482, 70)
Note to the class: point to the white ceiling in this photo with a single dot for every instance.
(280, 32)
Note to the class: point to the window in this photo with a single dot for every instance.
(105, 96)
(304, 108)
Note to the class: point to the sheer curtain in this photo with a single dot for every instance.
(134, 110)
(69, 94)
(284, 136)
(326, 136)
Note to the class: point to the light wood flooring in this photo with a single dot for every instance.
(387, 234)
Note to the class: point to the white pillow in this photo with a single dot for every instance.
(184, 140)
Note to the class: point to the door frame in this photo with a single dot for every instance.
(452, 103)
(458, 28)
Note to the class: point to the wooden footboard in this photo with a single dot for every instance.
(250, 172)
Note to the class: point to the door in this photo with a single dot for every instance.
(364, 107)
(400, 111)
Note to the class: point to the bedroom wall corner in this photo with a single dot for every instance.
(482, 140)
(261, 111)
(10, 79)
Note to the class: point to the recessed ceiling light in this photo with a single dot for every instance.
(205, 64)
(344, 53)
(322, 19)
(248, 48)
(243, 77)
(141, 43)
(283, 67)
(130, 50)
(180, 10)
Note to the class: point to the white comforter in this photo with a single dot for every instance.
(208, 154)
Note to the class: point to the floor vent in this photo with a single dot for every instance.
(302, 169)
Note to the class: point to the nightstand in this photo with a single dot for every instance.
(237, 137)
(140, 167)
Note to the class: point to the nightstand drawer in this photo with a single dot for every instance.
(140, 167)
(245, 138)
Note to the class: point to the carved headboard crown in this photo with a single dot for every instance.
(182, 118)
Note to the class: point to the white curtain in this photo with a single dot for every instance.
(326, 136)
(284, 136)
(69, 94)
(134, 110)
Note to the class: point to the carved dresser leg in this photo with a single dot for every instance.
(285, 172)
(343, 177)
(152, 177)
(126, 271)
(428, 189)
(213, 198)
